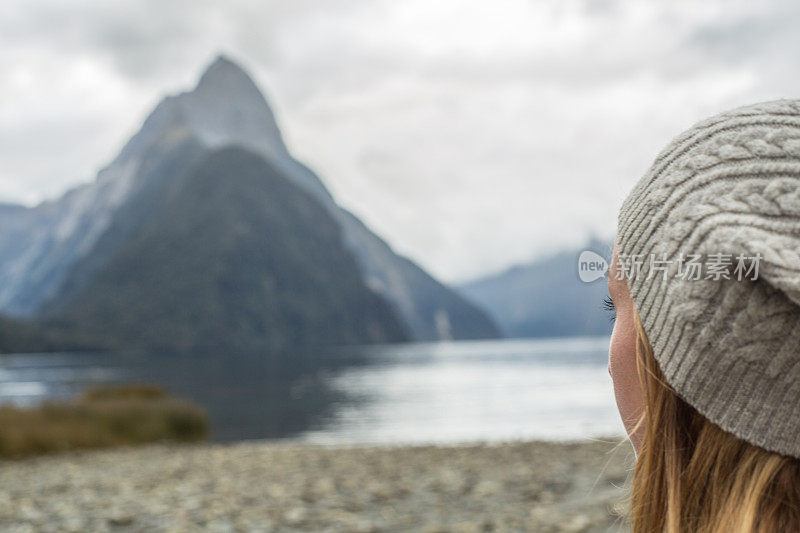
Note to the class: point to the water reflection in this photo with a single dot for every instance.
(462, 391)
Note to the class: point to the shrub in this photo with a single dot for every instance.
(99, 418)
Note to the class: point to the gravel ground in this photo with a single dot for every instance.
(261, 486)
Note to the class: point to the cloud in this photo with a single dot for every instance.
(469, 134)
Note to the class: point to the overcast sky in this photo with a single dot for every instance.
(470, 134)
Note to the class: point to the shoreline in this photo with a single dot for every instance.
(290, 486)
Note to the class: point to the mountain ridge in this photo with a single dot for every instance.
(235, 259)
(545, 297)
(41, 246)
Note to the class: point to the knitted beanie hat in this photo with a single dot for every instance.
(709, 243)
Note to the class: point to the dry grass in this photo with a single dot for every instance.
(101, 417)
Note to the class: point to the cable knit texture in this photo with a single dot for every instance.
(729, 347)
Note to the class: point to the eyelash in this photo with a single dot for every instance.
(608, 305)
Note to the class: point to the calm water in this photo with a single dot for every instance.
(444, 392)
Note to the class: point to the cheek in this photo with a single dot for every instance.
(621, 356)
(622, 367)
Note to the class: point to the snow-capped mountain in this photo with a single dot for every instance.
(40, 247)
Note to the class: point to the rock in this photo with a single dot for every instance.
(120, 520)
(525, 486)
(295, 516)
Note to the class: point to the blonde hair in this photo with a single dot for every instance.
(691, 476)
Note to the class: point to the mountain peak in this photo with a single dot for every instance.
(227, 108)
(223, 60)
(224, 74)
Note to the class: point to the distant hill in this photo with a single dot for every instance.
(53, 255)
(544, 298)
(235, 258)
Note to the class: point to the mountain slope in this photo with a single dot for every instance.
(236, 258)
(431, 311)
(41, 247)
(20, 336)
(544, 298)
(38, 245)
(162, 169)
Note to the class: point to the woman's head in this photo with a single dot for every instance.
(692, 476)
(705, 353)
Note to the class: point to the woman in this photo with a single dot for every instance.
(705, 353)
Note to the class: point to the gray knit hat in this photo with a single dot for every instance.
(725, 195)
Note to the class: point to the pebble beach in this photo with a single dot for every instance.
(269, 486)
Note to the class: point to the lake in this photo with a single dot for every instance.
(411, 393)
